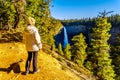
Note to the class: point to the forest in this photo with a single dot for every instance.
(99, 59)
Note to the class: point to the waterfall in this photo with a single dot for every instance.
(65, 38)
(62, 38)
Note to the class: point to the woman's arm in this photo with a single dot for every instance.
(38, 39)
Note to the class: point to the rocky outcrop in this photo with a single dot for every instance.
(74, 30)
(115, 32)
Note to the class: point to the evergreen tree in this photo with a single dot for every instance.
(79, 49)
(99, 58)
(115, 55)
(14, 14)
(60, 49)
(7, 14)
(67, 52)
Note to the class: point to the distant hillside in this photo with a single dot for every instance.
(113, 19)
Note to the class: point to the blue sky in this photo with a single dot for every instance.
(72, 9)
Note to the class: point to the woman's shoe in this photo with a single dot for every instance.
(36, 71)
(27, 72)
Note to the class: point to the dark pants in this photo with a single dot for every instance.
(30, 55)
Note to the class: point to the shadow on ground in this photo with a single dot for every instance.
(14, 66)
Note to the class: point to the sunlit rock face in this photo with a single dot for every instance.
(115, 35)
(72, 30)
(77, 29)
(67, 33)
(86, 30)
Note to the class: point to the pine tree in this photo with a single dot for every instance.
(115, 55)
(14, 14)
(7, 14)
(67, 52)
(79, 49)
(99, 57)
(60, 49)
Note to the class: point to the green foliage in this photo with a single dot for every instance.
(83, 21)
(7, 12)
(113, 19)
(14, 15)
(79, 49)
(115, 55)
(11, 14)
(67, 52)
(49, 31)
(99, 59)
(60, 49)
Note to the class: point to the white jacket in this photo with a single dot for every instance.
(31, 38)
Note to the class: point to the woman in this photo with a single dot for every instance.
(31, 39)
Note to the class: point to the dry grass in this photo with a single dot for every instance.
(50, 69)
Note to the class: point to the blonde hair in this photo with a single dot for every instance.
(31, 20)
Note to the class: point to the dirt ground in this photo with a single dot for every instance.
(12, 65)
